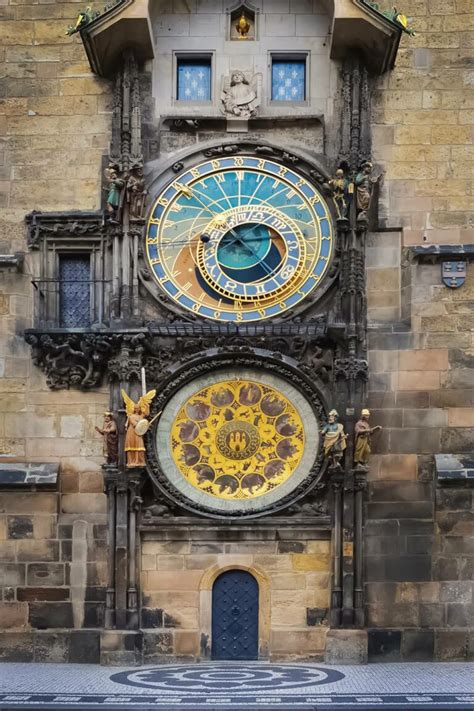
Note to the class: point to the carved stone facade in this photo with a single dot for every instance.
(154, 549)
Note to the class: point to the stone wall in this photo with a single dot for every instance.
(423, 126)
(419, 537)
(293, 573)
(53, 568)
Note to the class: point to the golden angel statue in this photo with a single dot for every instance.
(240, 95)
(136, 426)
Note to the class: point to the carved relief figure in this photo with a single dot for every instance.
(334, 439)
(363, 432)
(110, 435)
(136, 413)
(240, 95)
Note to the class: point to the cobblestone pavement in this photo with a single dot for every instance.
(234, 686)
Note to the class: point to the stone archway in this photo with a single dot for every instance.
(205, 607)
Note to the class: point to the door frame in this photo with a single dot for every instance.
(205, 607)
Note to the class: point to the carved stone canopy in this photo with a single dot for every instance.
(357, 27)
(125, 26)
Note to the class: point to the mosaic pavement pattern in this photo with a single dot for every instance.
(237, 685)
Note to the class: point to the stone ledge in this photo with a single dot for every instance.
(455, 469)
(443, 251)
(23, 475)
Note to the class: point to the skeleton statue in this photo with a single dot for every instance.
(239, 96)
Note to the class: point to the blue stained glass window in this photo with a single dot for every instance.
(288, 80)
(74, 290)
(194, 79)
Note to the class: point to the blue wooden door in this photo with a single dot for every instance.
(235, 616)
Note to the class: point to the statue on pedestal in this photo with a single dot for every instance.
(364, 183)
(114, 192)
(110, 435)
(136, 426)
(363, 432)
(342, 189)
(334, 440)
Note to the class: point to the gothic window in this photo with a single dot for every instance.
(193, 80)
(74, 290)
(288, 78)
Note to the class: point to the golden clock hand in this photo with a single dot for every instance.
(190, 193)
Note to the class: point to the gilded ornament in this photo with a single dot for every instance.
(363, 433)
(237, 439)
(136, 414)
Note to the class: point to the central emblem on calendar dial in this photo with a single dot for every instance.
(239, 239)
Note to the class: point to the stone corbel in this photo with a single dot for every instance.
(359, 28)
(125, 26)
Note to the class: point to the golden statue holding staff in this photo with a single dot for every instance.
(136, 426)
(363, 432)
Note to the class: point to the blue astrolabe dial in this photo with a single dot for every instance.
(239, 239)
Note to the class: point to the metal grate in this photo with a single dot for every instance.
(74, 291)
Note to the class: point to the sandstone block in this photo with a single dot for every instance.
(84, 503)
(346, 647)
(288, 615)
(30, 502)
(288, 581)
(461, 417)
(16, 33)
(45, 574)
(171, 562)
(167, 599)
(186, 643)
(298, 643)
(179, 580)
(416, 380)
(72, 426)
(430, 359)
(13, 614)
(305, 562)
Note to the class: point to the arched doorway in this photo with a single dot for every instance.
(235, 616)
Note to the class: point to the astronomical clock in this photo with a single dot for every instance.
(239, 241)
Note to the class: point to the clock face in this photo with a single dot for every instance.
(237, 439)
(239, 239)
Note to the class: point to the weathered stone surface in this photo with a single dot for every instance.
(346, 647)
(384, 645)
(46, 615)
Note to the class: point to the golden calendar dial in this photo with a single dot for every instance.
(237, 439)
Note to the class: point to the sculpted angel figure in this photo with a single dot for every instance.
(240, 95)
(136, 413)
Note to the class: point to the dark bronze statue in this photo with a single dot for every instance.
(110, 435)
